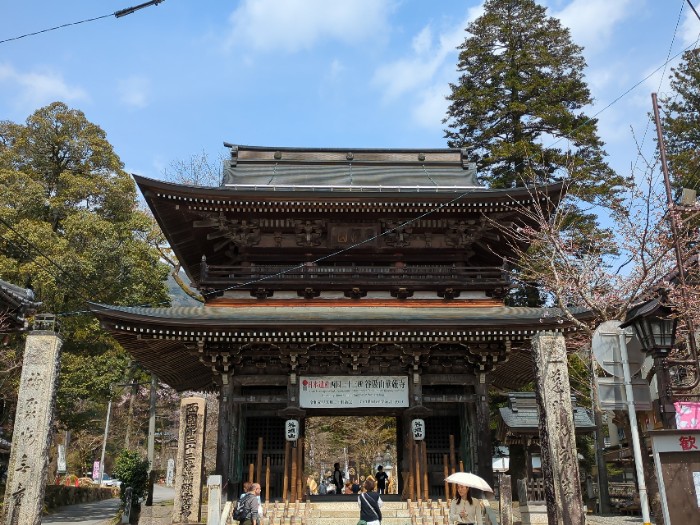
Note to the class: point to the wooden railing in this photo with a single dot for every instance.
(418, 276)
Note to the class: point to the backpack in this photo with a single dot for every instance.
(240, 513)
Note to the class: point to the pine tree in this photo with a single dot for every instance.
(681, 122)
(518, 103)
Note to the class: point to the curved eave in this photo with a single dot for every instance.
(328, 318)
(158, 338)
(223, 195)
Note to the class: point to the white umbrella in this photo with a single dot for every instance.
(468, 479)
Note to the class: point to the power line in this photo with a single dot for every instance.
(116, 14)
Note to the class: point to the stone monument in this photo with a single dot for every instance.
(26, 476)
(190, 458)
(557, 436)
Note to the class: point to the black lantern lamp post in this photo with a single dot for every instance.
(654, 323)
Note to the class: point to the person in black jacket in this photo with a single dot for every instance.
(381, 478)
(337, 478)
(370, 504)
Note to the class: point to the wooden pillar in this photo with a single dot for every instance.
(224, 434)
(556, 425)
(446, 472)
(417, 461)
(411, 470)
(293, 477)
(424, 468)
(453, 464)
(300, 468)
(285, 486)
(484, 448)
(258, 462)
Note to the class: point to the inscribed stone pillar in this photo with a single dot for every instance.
(556, 426)
(26, 477)
(190, 458)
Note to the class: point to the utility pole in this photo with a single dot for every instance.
(663, 375)
(104, 441)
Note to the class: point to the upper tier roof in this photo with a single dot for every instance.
(338, 169)
(275, 191)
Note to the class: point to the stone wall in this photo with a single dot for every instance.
(60, 495)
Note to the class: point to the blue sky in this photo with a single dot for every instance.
(178, 79)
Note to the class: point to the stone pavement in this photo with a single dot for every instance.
(98, 512)
(93, 513)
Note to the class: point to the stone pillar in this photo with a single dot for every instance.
(26, 475)
(505, 499)
(214, 500)
(556, 424)
(484, 448)
(190, 459)
(224, 432)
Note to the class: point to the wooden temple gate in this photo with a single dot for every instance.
(346, 264)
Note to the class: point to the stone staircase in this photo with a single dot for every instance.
(347, 513)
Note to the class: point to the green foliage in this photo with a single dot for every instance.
(681, 122)
(521, 87)
(132, 470)
(70, 226)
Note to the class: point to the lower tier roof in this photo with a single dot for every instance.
(187, 347)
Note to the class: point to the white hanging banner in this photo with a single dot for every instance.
(353, 391)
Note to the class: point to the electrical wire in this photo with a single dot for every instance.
(116, 14)
(408, 222)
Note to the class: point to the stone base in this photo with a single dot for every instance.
(156, 515)
(534, 514)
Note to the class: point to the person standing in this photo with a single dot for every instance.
(370, 504)
(465, 510)
(381, 478)
(253, 506)
(337, 478)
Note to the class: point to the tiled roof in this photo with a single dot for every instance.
(295, 168)
(17, 302)
(521, 416)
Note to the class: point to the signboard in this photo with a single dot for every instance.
(170, 475)
(291, 429)
(96, 470)
(611, 392)
(353, 391)
(418, 429)
(677, 461)
(61, 459)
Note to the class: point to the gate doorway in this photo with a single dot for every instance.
(360, 444)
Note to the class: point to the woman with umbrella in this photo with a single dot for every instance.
(464, 509)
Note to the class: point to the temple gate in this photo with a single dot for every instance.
(344, 265)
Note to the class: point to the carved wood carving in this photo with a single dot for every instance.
(396, 235)
(309, 233)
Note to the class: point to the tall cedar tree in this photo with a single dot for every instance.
(517, 105)
(681, 122)
(70, 224)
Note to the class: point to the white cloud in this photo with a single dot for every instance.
(38, 88)
(432, 107)
(690, 27)
(134, 91)
(336, 69)
(294, 25)
(592, 21)
(421, 69)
